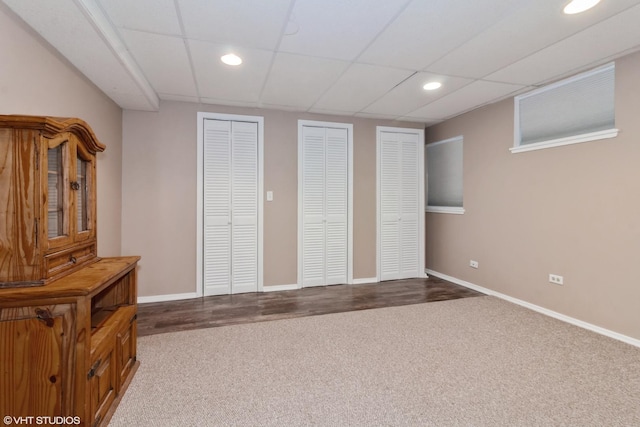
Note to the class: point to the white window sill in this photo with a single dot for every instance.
(593, 136)
(445, 209)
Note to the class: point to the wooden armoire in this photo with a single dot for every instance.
(67, 316)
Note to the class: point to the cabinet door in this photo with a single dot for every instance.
(57, 206)
(70, 206)
(102, 384)
(83, 194)
(36, 361)
(126, 350)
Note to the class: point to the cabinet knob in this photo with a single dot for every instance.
(75, 185)
(73, 259)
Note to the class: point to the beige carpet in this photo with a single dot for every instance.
(470, 362)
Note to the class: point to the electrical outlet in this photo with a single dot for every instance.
(554, 278)
(474, 264)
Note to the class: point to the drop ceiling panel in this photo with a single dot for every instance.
(217, 80)
(298, 81)
(427, 30)
(180, 98)
(336, 32)
(231, 103)
(247, 23)
(473, 95)
(64, 26)
(156, 16)
(377, 116)
(614, 35)
(163, 60)
(409, 95)
(359, 86)
(518, 36)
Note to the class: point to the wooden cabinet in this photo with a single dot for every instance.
(67, 317)
(69, 348)
(48, 186)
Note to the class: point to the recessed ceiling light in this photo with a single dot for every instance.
(578, 6)
(231, 59)
(432, 86)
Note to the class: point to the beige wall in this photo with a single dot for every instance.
(35, 80)
(159, 194)
(572, 211)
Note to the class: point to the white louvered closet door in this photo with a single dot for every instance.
(399, 206)
(324, 206)
(230, 207)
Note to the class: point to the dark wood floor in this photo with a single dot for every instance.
(156, 318)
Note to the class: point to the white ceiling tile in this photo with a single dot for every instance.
(180, 98)
(359, 86)
(220, 81)
(163, 60)
(522, 42)
(156, 16)
(426, 122)
(614, 35)
(518, 36)
(409, 95)
(215, 101)
(340, 32)
(471, 96)
(248, 23)
(298, 81)
(377, 116)
(427, 30)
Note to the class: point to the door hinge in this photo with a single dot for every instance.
(45, 316)
(92, 371)
(36, 153)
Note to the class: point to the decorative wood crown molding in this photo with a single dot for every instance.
(50, 126)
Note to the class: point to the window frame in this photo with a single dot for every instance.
(455, 210)
(568, 140)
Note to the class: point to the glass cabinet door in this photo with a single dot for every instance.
(82, 189)
(56, 193)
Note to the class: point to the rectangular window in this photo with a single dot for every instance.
(578, 109)
(444, 176)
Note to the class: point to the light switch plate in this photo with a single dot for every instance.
(269, 196)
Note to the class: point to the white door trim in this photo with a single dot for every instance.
(202, 116)
(349, 128)
(421, 196)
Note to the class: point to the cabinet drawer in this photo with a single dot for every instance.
(126, 349)
(102, 385)
(60, 263)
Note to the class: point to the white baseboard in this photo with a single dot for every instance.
(597, 329)
(365, 280)
(277, 288)
(165, 298)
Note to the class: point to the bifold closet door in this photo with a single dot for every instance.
(324, 206)
(399, 205)
(230, 207)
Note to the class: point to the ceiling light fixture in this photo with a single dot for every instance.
(231, 59)
(432, 86)
(578, 6)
